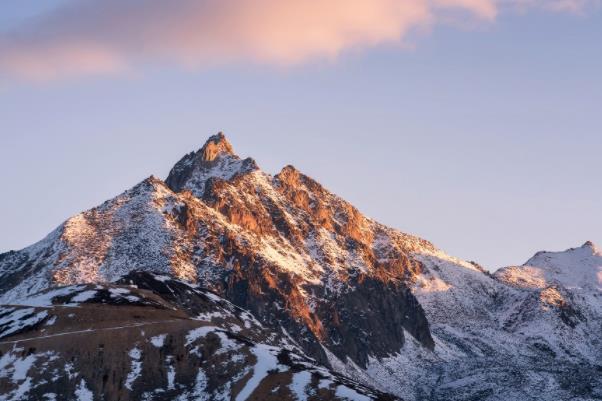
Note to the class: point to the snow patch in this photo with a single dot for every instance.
(350, 394)
(84, 296)
(21, 367)
(45, 299)
(136, 369)
(19, 319)
(266, 361)
(298, 386)
(116, 292)
(159, 340)
(83, 393)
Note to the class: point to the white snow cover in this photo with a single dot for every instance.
(350, 394)
(44, 299)
(224, 166)
(83, 393)
(576, 268)
(126, 233)
(226, 343)
(15, 320)
(159, 340)
(117, 292)
(485, 324)
(136, 368)
(266, 361)
(171, 374)
(17, 368)
(298, 386)
(83, 296)
(200, 332)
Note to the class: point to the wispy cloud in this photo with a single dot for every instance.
(107, 36)
(563, 6)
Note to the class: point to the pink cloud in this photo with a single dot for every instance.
(45, 63)
(94, 37)
(107, 36)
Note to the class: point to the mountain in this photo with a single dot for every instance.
(379, 308)
(283, 247)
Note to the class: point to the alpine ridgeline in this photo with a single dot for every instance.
(225, 282)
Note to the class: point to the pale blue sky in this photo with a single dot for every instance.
(485, 140)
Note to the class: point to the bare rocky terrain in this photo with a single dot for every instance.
(150, 337)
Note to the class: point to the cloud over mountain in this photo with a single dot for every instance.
(96, 37)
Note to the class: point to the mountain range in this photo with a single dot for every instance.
(223, 282)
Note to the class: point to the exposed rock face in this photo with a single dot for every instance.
(215, 146)
(370, 320)
(159, 340)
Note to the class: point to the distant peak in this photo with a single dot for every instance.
(586, 250)
(216, 145)
(590, 246)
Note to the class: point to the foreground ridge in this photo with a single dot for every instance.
(185, 343)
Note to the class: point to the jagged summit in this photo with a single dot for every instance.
(215, 146)
(591, 246)
(216, 159)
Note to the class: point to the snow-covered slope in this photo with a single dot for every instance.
(530, 332)
(126, 233)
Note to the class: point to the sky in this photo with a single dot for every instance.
(475, 124)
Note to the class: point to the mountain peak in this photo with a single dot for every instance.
(216, 159)
(215, 146)
(289, 174)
